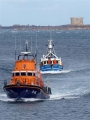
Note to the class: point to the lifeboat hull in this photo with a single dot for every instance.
(26, 91)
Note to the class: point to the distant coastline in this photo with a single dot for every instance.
(33, 27)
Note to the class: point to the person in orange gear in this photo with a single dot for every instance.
(54, 62)
(49, 61)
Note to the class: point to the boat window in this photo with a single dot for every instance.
(17, 74)
(12, 74)
(49, 61)
(44, 62)
(57, 61)
(33, 74)
(29, 74)
(23, 73)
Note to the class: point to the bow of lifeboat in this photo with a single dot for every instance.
(26, 81)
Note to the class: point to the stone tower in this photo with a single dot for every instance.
(77, 21)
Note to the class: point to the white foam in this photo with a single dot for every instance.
(4, 98)
(56, 72)
(32, 100)
(52, 97)
(3, 95)
(55, 96)
(62, 96)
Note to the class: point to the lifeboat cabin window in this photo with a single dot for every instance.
(29, 74)
(17, 74)
(33, 74)
(23, 73)
(12, 74)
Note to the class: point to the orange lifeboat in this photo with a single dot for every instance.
(26, 81)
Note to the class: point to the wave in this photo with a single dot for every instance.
(4, 98)
(67, 94)
(62, 96)
(77, 70)
(56, 72)
(70, 94)
(86, 95)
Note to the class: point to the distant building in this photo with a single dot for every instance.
(16, 25)
(77, 21)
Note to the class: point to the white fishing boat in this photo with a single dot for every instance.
(50, 62)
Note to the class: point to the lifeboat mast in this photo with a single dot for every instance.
(26, 53)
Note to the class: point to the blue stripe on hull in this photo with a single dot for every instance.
(22, 92)
(51, 68)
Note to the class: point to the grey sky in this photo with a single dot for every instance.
(43, 12)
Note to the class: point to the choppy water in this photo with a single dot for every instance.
(70, 99)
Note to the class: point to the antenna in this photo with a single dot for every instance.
(36, 48)
(15, 47)
(36, 39)
(26, 52)
(50, 35)
(20, 44)
(26, 46)
(31, 44)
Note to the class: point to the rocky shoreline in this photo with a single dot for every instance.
(33, 27)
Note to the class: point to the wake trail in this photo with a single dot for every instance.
(4, 98)
(56, 72)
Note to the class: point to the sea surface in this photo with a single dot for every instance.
(70, 99)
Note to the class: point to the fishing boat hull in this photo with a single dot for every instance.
(51, 68)
(27, 91)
